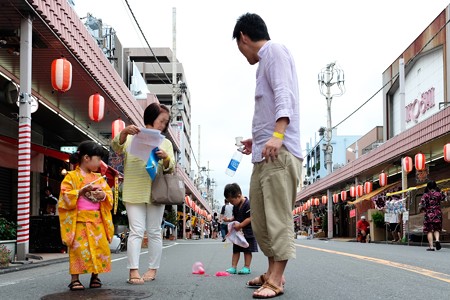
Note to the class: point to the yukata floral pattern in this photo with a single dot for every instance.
(431, 203)
(87, 233)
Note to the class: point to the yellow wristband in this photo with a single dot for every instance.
(167, 158)
(278, 135)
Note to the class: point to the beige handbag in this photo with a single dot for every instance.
(168, 189)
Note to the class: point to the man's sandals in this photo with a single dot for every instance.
(277, 291)
(256, 282)
(76, 286)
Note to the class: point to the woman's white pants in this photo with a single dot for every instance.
(141, 217)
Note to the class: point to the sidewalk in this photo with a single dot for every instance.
(36, 260)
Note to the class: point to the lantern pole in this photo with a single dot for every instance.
(24, 142)
(329, 76)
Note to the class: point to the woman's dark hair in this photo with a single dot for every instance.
(432, 185)
(251, 25)
(89, 148)
(232, 190)
(152, 111)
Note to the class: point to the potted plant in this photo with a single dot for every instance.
(8, 234)
(8, 230)
(377, 229)
(5, 258)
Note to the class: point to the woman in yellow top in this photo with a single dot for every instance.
(136, 193)
(84, 207)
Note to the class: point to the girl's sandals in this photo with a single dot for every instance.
(76, 286)
(95, 283)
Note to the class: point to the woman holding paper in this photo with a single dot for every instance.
(136, 194)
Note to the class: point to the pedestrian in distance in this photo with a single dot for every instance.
(51, 202)
(241, 213)
(430, 203)
(188, 228)
(363, 228)
(84, 206)
(143, 215)
(275, 148)
(226, 213)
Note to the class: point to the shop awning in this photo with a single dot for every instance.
(40, 149)
(374, 193)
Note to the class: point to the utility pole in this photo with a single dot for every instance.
(329, 76)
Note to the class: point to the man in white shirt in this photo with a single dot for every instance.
(225, 215)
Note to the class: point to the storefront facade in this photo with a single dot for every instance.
(416, 120)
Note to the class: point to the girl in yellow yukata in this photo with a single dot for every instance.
(84, 207)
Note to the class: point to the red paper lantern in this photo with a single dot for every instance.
(344, 195)
(419, 161)
(368, 186)
(61, 75)
(308, 204)
(352, 191)
(359, 190)
(96, 107)
(335, 198)
(324, 199)
(117, 126)
(407, 164)
(382, 179)
(447, 152)
(316, 202)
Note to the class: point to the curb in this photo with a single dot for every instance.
(13, 267)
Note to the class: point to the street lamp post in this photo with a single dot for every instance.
(328, 77)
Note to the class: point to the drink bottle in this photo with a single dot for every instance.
(234, 163)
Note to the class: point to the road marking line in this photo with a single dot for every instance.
(426, 272)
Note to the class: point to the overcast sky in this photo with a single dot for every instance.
(362, 37)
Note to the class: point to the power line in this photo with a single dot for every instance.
(395, 76)
(148, 45)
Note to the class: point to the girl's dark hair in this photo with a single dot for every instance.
(432, 185)
(232, 190)
(251, 25)
(152, 111)
(89, 148)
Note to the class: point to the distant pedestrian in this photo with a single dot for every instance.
(188, 227)
(84, 205)
(363, 228)
(241, 213)
(226, 213)
(431, 205)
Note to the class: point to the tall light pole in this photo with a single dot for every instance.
(328, 77)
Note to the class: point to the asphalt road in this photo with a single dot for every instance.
(323, 270)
